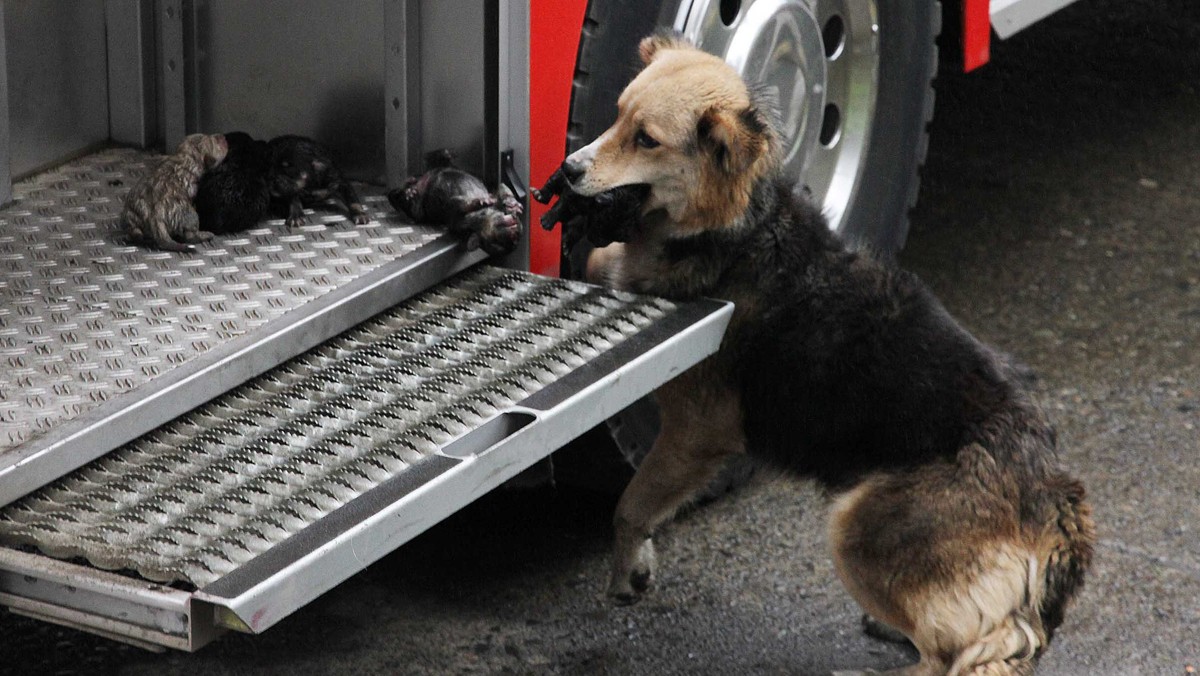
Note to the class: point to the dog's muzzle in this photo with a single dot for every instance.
(573, 169)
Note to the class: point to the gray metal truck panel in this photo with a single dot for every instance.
(57, 75)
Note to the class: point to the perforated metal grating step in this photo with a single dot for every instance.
(86, 316)
(219, 486)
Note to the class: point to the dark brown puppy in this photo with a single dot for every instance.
(450, 197)
(303, 174)
(158, 209)
(951, 519)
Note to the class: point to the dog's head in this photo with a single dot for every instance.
(206, 150)
(690, 128)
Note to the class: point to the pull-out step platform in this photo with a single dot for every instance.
(250, 506)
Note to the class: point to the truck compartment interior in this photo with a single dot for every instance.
(107, 340)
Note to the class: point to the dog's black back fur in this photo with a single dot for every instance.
(235, 195)
(845, 366)
(876, 375)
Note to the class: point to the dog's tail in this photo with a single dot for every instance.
(1064, 553)
(1067, 549)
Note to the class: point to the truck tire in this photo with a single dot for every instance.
(872, 63)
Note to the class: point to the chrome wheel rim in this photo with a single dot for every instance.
(821, 60)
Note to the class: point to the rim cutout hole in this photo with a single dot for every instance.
(833, 35)
(730, 10)
(831, 125)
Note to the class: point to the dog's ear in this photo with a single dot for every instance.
(667, 39)
(735, 140)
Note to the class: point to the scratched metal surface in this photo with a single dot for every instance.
(86, 316)
(211, 490)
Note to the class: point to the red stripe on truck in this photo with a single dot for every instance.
(554, 28)
(977, 33)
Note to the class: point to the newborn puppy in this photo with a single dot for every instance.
(158, 209)
(603, 218)
(448, 196)
(303, 174)
(235, 195)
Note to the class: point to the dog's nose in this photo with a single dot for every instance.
(573, 169)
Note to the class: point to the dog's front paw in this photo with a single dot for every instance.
(195, 236)
(633, 575)
(295, 217)
(358, 214)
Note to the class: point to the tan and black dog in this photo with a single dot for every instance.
(951, 518)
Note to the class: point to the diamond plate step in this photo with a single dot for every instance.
(272, 493)
(101, 340)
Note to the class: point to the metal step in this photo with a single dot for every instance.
(102, 341)
(259, 501)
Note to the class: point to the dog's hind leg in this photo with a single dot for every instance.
(700, 429)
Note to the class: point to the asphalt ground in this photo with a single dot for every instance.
(1060, 221)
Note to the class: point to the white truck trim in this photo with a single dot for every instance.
(1011, 16)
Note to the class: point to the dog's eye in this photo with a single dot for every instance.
(285, 164)
(645, 140)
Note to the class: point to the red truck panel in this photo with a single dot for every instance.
(977, 33)
(554, 27)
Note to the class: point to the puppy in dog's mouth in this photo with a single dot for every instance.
(603, 218)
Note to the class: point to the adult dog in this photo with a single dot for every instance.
(951, 519)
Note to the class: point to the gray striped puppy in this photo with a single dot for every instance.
(158, 209)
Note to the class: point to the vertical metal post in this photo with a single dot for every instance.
(494, 54)
(512, 102)
(5, 139)
(171, 72)
(193, 56)
(402, 82)
(129, 33)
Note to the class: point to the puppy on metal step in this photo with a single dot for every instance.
(303, 174)
(448, 196)
(235, 195)
(158, 209)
